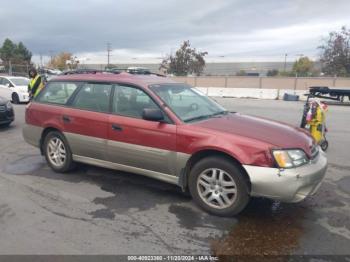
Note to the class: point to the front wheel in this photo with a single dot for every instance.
(15, 98)
(219, 186)
(57, 152)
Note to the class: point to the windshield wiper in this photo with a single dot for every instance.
(206, 116)
(197, 118)
(225, 112)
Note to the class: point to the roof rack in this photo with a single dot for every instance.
(84, 71)
(112, 71)
(134, 71)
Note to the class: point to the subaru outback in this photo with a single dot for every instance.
(153, 126)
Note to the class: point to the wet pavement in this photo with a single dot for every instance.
(100, 211)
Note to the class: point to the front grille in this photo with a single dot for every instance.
(314, 151)
(2, 108)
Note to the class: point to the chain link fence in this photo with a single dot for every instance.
(15, 70)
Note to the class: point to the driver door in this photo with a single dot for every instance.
(135, 142)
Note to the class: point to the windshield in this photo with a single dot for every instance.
(188, 103)
(20, 81)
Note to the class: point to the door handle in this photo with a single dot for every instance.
(66, 119)
(117, 127)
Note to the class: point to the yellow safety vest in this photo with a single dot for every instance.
(32, 83)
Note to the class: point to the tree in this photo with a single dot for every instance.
(272, 72)
(303, 66)
(7, 51)
(241, 72)
(186, 61)
(23, 53)
(63, 61)
(335, 56)
(15, 56)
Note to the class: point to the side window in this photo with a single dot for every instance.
(5, 82)
(94, 97)
(1, 81)
(130, 101)
(57, 92)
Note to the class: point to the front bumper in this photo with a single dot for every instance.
(23, 97)
(288, 185)
(7, 116)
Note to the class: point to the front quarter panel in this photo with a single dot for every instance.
(192, 140)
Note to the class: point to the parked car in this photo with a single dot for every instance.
(7, 115)
(48, 73)
(14, 88)
(150, 125)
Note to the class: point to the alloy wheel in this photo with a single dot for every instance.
(217, 188)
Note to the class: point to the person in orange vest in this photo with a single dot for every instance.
(35, 85)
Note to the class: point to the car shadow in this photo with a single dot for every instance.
(127, 193)
(4, 128)
(135, 191)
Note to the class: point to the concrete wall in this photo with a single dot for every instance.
(260, 87)
(300, 83)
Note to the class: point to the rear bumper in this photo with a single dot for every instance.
(32, 134)
(288, 185)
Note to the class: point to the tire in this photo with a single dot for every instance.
(57, 152)
(233, 181)
(15, 98)
(324, 145)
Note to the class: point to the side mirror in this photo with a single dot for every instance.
(152, 114)
(9, 85)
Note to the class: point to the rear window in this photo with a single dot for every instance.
(93, 97)
(57, 92)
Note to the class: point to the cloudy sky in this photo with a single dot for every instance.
(144, 31)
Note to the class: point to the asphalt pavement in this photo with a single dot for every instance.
(99, 211)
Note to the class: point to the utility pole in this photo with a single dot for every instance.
(41, 60)
(10, 67)
(285, 62)
(51, 56)
(108, 53)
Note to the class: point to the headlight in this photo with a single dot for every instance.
(9, 105)
(290, 158)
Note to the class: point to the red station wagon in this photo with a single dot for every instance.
(153, 126)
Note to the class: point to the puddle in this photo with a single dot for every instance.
(191, 219)
(264, 228)
(103, 213)
(132, 191)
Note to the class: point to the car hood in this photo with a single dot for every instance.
(277, 134)
(22, 89)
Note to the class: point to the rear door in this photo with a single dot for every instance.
(48, 107)
(86, 121)
(135, 142)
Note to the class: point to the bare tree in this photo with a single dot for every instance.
(63, 61)
(335, 55)
(185, 61)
